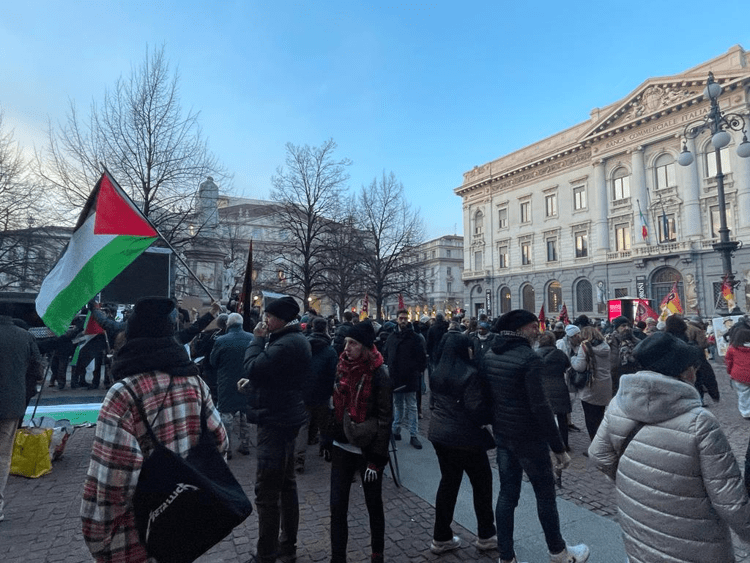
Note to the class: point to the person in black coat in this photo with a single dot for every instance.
(555, 363)
(406, 358)
(434, 335)
(458, 413)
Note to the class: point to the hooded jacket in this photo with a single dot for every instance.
(319, 386)
(227, 356)
(679, 488)
(405, 355)
(599, 389)
(520, 408)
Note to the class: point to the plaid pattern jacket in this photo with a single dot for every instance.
(121, 445)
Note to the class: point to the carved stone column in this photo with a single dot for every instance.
(691, 193)
(600, 208)
(639, 193)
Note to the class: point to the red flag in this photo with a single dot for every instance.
(564, 318)
(401, 302)
(90, 326)
(542, 326)
(365, 304)
(644, 312)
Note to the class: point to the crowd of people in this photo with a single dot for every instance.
(506, 386)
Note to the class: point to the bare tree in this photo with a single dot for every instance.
(393, 233)
(140, 133)
(309, 192)
(344, 280)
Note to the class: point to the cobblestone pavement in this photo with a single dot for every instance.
(42, 523)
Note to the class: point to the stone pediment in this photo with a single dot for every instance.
(654, 99)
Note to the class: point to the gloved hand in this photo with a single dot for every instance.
(371, 473)
(242, 385)
(562, 460)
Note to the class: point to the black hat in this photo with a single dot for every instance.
(617, 322)
(285, 308)
(675, 324)
(152, 317)
(582, 321)
(363, 332)
(319, 324)
(513, 320)
(664, 353)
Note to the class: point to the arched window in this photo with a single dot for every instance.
(504, 301)
(665, 172)
(554, 297)
(584, 296)
(620, 184)
(662, 282)
(478, 223)
(528, 298)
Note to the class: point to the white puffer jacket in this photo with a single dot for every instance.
(679, 487)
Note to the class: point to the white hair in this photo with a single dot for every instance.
(234, 319)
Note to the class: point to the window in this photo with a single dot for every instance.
(582, 244)
(621, 292)
(525, 212)
(478, 223)
(550, 205)
(584, 296)
(502, 218)
(579, 198)
(665, 174)
(529, 298)
(552, 250)
(432, 254)
(448, 253)
(503, 256)
(504, 300)
(622, 237)
(667, 231)
(716, 221)
(711, 162)
(554, 297)
(620, 184)
(448, 271)
(525, 253)
(449, 287)
(478, 260)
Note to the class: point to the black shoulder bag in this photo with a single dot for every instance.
(183, 507)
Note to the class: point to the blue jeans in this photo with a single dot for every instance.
(513, 458)
(276, 492)
(405, 409)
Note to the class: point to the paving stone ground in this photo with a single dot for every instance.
(42, 523)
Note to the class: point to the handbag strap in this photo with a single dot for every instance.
(142, 412)
(630, 436)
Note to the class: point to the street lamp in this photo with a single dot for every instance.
(717, 123)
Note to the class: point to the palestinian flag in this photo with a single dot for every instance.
(110, 234)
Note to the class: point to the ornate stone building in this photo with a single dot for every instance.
(561, 221)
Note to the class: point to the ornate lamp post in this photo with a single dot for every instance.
(717, 123)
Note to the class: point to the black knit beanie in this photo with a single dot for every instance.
(152, 317)
(513, 320)
(284, 308)
(664, 353)
(363, 332)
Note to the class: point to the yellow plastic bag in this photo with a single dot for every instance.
(31, 452)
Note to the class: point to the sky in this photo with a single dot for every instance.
(426, 90)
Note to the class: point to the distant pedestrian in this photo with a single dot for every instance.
(553, 378)
(407, 359)
(459, 410)
(363, 412)
(227, 358)
(481, 341)
(20, 362)
(594, 356)
(679, 487)
(525, 431)
(738, 368)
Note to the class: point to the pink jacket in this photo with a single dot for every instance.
(738, 363)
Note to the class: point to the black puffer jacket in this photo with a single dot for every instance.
(319, 386)
(277, 367)
(457, 398)
(553, 378)
(405, 355)
(520, 408)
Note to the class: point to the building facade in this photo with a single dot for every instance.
(603, 210)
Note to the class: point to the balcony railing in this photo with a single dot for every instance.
(665, 248)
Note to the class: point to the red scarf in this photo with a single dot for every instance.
(354, 385)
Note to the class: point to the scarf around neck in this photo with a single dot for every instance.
(354, 385)
(141, 355)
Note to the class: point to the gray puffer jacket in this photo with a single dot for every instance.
(679, 488)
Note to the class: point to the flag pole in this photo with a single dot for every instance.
(247, 292)
(111, 178)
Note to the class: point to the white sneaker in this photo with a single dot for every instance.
(486, 543)
(571, 554)
(438, 547)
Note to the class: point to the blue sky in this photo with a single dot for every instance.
(427, 90)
